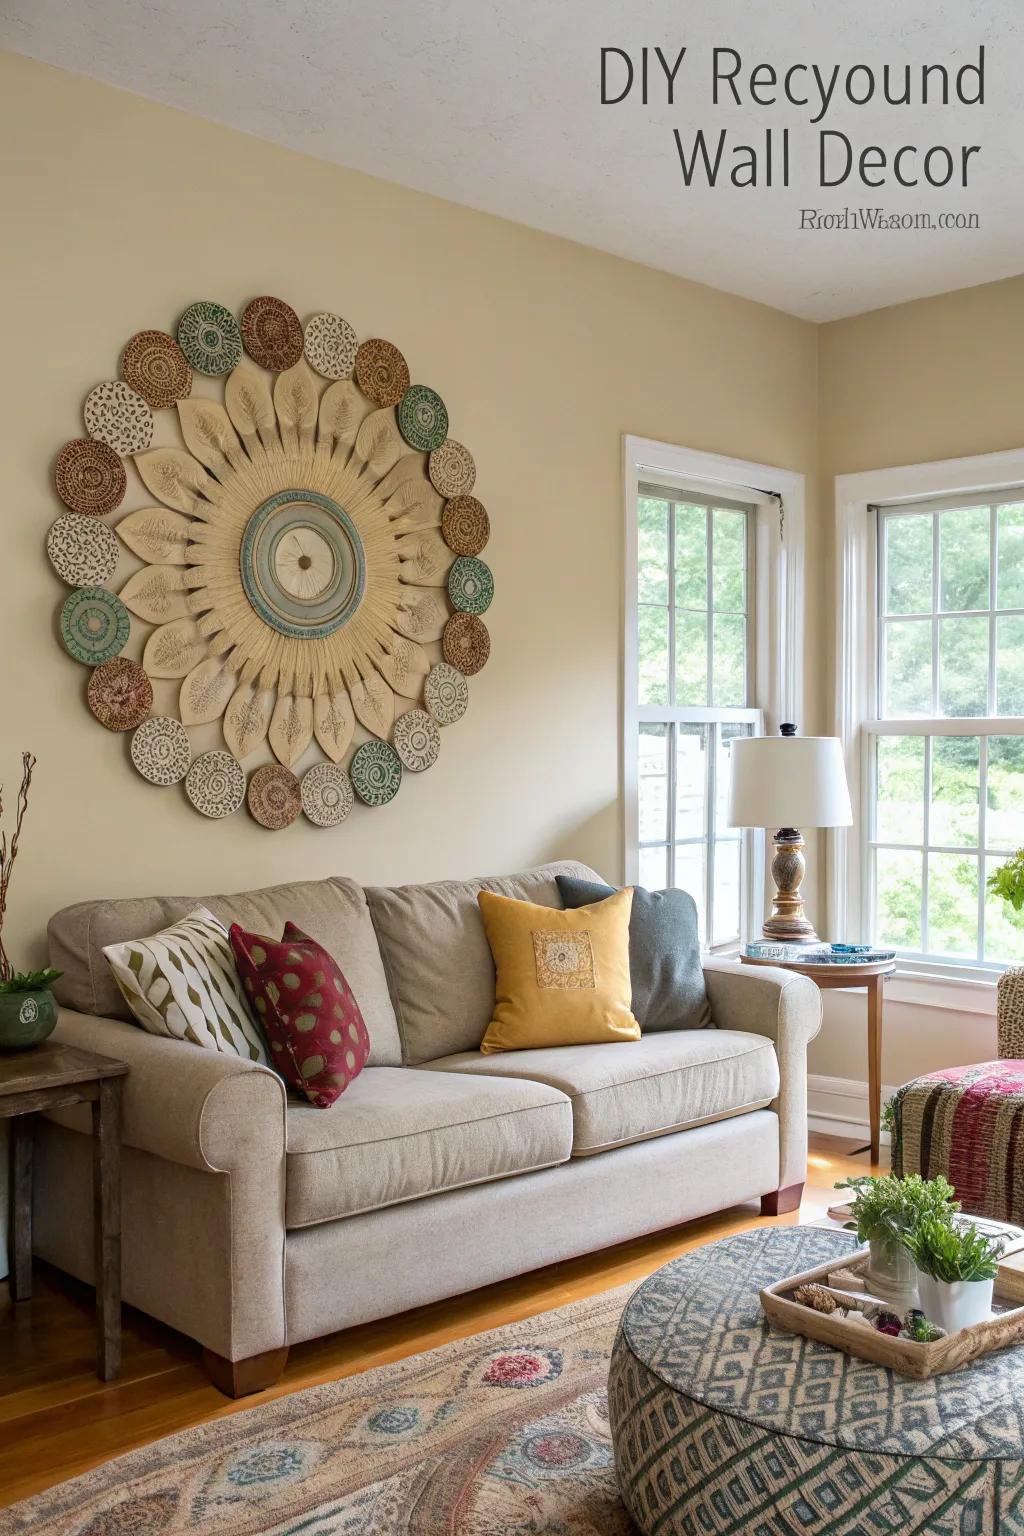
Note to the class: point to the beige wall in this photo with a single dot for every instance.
(117, 213)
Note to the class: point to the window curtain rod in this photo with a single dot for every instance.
(758, 490)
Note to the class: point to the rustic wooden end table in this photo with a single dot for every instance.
(871, 978)
(52, 1076)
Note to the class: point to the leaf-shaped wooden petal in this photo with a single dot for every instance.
(158, 593)
(334, 722)
(374, 704)
(405, 666)
(177, 480)
(250, 406)
(296, 402)
(291, 728)
(208, 433)
(247, 719)
(379, 444)
(205, 692)
(423, 614)
(426, 558)
(174, 649)
(156, 535)
(411, 469)
(342, 408)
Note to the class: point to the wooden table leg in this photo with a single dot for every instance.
(874, 985)
(106, 1117)
(21, 1207)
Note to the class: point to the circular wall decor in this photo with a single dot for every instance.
(272, 333)
(326, 794)
(470, 585)
(417, 740)
(82, 550)
(114, 414)
(451, 467)
(155, 367)
(215, 784)
(209, 336)
(382, 373)
(120, 694)
(90, 477)
(466, 643)
(274, 797)
(331, 345)
(465, 526)
(446, 693)
(422, 418)
(161, 750)
(94, 625)
(376, 772)
(302, 563)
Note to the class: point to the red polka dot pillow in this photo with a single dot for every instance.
(314, 1029)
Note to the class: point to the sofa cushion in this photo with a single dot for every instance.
(437, 958)
(399, 1134)
(333, 912)
(650, 1087)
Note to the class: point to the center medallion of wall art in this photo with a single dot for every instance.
(311, 569)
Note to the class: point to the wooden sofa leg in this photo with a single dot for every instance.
(240, 1378)
(779, 1201)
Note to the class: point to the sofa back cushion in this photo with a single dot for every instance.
(334, 912)
(437, 958)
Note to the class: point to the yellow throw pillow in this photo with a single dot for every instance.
(563, 977)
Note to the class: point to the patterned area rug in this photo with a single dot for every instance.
(504, 1434)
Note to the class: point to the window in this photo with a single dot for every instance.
(944, 768)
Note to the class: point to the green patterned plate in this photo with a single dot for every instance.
(94, 625)
(470, 585)
(422, 418)
(208, 335)
(376, 772)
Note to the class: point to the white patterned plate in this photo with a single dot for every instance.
(331, 346)
(215, 784)
(114, 414)
(161, 750)
(326, 794)
(417, 740)
(82, 550)
(451, 469)
(446, 692)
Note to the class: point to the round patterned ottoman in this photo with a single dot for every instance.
(721, 1424)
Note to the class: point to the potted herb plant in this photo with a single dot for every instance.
(884, 1210)
(956, 1267)
(28, 1009)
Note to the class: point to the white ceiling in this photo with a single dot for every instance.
(496, 105)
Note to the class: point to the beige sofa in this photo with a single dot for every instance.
(252, 1221)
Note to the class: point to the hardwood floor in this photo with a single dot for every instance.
(57, 1419)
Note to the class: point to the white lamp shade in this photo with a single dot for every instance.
(788, 781)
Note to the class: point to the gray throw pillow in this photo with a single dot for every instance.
(664, 953)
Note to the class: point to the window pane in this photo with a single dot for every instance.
(952, 904)
(963, 667)
(727, 734)
(899, 816)
(691, 777)
(726, 906)
(652, 654)
(908, 669)
(1004, 928)
(898, 898)
(956, 791)
(908, 564)
(691, 658)
(690, 877)
(1010, 666)
(729, 577)
(730, 660)
(1010, 585)
(652, 550)
(691, 556)
(964, 557)
(653, 864)
(1004, 823)
(652, 782)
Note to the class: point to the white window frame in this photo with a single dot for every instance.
(959, 986)
(775, 656)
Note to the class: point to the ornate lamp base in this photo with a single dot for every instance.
(788, 923)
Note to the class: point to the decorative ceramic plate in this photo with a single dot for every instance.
(215, 784)
(465, 526)
(274, 797)
(90, 477)
(161, 750)
(422, 418)
(155, 367)
(417, 740)
(382, 373)
(116, 415)
(82, 550)
(376, 772)
(208, 335)
(446, 693)
(120, 694)
(326, 794)
(465, 643)
(331, 346)
(451, 468)
(470, 585)
(94, 625)
(272, 333)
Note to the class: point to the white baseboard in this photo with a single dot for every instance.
(838, 1106)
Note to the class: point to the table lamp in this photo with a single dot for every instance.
(777, 782)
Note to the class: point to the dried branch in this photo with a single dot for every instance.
(9, 852)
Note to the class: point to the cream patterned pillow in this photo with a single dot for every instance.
(182, 983)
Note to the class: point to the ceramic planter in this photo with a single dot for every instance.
(892, 1274)
(957, 1304)
(26, 1018)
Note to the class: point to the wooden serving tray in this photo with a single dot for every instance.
(909, 1358)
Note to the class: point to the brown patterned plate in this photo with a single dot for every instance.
(465, 526)
(274, 797)
(272, 333)
(120, 694)
(90, 477)
(155, 367)
(451, 469)
(466, 643)
(382, 373)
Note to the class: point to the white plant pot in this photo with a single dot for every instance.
(892, 1274)
(955, 1305)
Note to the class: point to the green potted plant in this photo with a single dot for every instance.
(884, 1210)
(956, 1267)
(28, 1009)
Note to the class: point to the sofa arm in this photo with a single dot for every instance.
(786, 1007)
